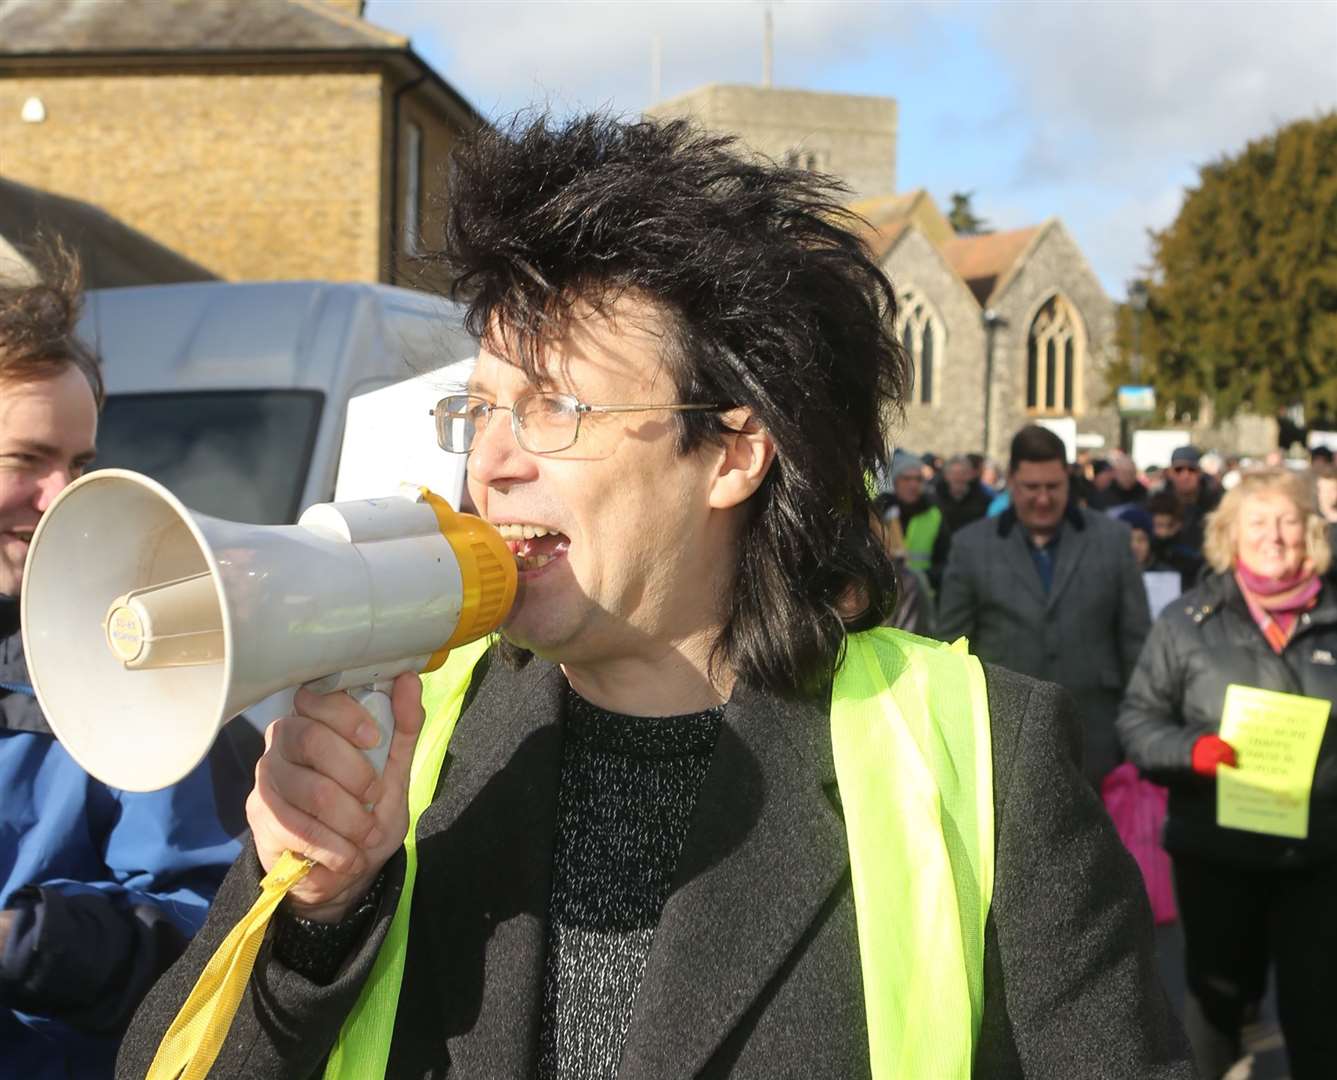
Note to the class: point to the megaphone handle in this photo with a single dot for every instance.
(376, 700)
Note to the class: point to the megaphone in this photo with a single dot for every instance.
(147, 627)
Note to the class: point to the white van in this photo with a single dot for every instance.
(252, 401)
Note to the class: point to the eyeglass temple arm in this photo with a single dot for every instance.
(582, 407)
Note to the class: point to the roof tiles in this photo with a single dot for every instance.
(983, 261)
(56, 27)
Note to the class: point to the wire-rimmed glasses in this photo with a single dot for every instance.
(542, 421)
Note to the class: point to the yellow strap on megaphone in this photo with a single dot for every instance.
(191, 1044)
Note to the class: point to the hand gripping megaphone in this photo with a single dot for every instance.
(147, 627)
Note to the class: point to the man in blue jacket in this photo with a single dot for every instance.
(100, 889)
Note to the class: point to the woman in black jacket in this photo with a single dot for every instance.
(1266, 618)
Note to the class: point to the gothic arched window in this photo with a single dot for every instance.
(921, 332)
(1054, 352)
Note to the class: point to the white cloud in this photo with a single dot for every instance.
(1114, 235)
(587, 53)
(1125, 99)
(1147, 81)
(1097, 111)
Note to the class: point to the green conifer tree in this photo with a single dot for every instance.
(962, 216)
(1241, 301)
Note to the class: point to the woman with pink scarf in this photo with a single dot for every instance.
(1249, 901)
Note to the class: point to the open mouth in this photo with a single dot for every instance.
(533, 546)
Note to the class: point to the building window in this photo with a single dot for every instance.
(811, 160)
(1054, 353)
(412, 189)
(921, 332)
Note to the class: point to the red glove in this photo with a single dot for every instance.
(1211, 751)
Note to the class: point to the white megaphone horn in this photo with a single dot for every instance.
(147, 627)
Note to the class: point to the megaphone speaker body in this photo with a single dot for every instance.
(147, 627)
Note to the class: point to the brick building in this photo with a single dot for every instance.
(1002, 328)
(283, 139)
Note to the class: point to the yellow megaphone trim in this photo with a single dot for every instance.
(488, 576)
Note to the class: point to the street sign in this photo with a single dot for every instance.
(1136, 400)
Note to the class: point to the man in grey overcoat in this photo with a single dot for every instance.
(634, 863)
(1051, 589)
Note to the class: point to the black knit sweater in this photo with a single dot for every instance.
(628, 787)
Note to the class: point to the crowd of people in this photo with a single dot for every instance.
(1060, 575)
(922, 501)
(704, 809)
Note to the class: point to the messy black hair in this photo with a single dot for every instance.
(772, 303)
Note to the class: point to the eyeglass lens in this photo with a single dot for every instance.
(543, 423)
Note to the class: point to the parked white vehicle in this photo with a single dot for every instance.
(252, 401)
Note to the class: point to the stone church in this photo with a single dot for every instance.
(1003, 328)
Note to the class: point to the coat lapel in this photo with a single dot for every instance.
(765, 851)
(1071, 546)
(474, 972)
(1016, 550)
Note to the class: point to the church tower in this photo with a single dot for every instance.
(849, 136)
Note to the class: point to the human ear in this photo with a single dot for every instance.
(746, 455)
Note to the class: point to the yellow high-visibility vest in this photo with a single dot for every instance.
(921, 533)
(910, 734)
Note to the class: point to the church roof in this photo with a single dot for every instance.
(984, 262)
(112, 253)
(878, 209)
(888, 216)
(64, 27)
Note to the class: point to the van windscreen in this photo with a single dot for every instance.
(236, 454)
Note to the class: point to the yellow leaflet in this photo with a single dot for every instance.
(1276, 737)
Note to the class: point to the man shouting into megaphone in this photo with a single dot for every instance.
(694, 814)
(99, 888)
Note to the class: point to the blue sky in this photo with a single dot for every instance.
(1096, 112)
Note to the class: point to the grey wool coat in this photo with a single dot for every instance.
(754, 967)
(1085, 634)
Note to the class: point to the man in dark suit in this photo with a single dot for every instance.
(637, 862)
(1051, 590)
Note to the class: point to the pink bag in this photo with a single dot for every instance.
(1137, 807)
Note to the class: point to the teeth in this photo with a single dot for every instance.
(532, 562)
(523, 532)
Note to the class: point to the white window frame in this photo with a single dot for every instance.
(1057, 323)
(915, 317)
(412, 231)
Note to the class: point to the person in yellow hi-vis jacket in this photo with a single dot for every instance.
(694, 814)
